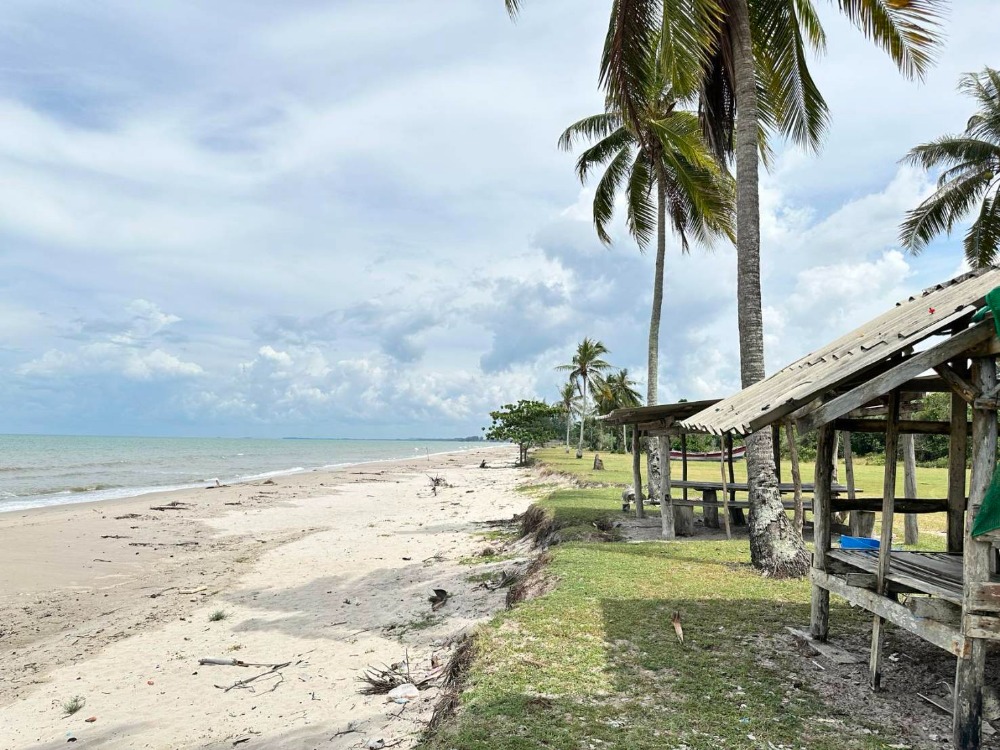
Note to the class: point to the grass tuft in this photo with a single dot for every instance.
(218, 615)
(73, 705)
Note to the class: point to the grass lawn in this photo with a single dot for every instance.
(594, 663)
(868, 477)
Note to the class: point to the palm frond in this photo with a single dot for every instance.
(590, 129)
(630, 53)
(603, 151)
(786, 89)
(983, 237)
(607, 189)
(943, 209)
(641, 214)
(909, 30)
(688, 30)
(950, 150)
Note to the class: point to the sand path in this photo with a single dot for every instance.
(329, 571)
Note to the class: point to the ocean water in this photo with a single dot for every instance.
(39, 470)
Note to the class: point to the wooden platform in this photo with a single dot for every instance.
(935, 573)
(786, 488)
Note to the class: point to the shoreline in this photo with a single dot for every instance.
(111, 600)
(135, 492)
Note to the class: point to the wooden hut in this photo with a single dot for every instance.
(870, 370)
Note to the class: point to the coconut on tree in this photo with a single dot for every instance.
(586, 364)
(968, 182)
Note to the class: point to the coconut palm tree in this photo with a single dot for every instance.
(586, 363)
(750, 56)
(569, 400)
(970, 162)
(664, 154)
(616, 391)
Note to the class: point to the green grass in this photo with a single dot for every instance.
(218, 615)
(595, 663)
(931, 483)
(73, 705)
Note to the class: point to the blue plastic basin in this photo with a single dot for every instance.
(858, 542)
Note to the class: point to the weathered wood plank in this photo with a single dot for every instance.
(969, 673)
(981, 626)
(906, 426)
(640, 511)
(793, 451)
(941, 635)
(911, 530)
(831, 652)
(819, 621)
(725, 489)
(896, 376)
(982, 597)
(957, 449)
(666, 497)
(885, 548)
(710, 508)
(958, 384)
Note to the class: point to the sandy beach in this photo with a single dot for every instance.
(328, 571)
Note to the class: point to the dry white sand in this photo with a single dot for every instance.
(327, 570)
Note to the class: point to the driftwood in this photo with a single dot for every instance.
(274, 669)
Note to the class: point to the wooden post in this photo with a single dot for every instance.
(885, 543)
(968, 708)
(737, 513)
(862, 522)
(710, 511)
(776, 447)
(822, 496)
(725, 486)
(640, 510)
(957, 449)
(666, 500)
(684, 514)
(911, 531)
(793, 452)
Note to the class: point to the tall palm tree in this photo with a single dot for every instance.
(663, 153)
(586, 363)
(971, 162)
(569, 400)
(750, 56)
(616, 391)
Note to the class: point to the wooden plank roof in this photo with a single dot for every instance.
(657, 413)
(862, 351)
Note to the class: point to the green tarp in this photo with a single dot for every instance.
(988, 517)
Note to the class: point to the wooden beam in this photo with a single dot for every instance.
(666, 499)
(906, 426)
(911, 529)
(969, 673)
(941, 635)
(983, 597)
(896, 376)
(793, 452)
(958, 384)
(957, 449)
(819, 625)
(725, 488)
(738, 517)
(900, 504)
(684, 516)
(885, 545)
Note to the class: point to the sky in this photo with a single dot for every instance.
(347, 218)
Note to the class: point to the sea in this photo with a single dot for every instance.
(41, 470)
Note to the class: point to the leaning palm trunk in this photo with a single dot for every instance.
(583, 418)
(569, 422)
(776, 546)
(653, 467)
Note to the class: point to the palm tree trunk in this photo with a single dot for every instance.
(569, 422)
(775, 544)
(653, 466)
(583, 417)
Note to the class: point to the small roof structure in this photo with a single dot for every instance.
(859, 383)
(886, 344)
(655, 419)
